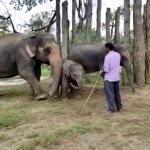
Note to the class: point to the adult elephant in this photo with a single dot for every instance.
(23, 54)
(91, 57)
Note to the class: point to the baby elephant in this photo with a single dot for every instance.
(71, 78)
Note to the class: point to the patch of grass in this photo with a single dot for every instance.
(143, 131)
(3, 137)
(33, 135)
(57, 135)
(10, 117)
(57, 109)
(118, 144)
(16, 91)
(93, 78)
(45, 72)
(147, 115)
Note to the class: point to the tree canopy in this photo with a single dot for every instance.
(4, 26)
(29, 4)
(38, 21)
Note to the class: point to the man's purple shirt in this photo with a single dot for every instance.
(112, 66)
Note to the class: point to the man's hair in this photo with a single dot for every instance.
(109, 45)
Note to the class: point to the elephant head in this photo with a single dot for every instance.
(43, 47)
(75, 73)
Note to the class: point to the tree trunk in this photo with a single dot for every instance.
(148, 42)
(73, 22)
(146, 21)
(98, 28)
(108, 11)
(126, 35)
(87, 32)
(117, 26)
(58, 30)
(82, 17)
(145, 30)
(64, 29)
(68, 27)
(139, 44)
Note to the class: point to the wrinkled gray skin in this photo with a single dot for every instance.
(72, 74)
(22, 54)
(91, 57)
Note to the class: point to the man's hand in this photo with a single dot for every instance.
(101, 72)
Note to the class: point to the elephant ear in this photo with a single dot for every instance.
(67, 72)
(31, 46)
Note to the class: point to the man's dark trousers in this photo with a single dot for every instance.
(113, 94)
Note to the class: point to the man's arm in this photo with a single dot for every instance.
(105, 67)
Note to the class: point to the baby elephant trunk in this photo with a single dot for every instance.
(78, 86)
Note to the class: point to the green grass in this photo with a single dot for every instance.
(11, 114)
(56, 136)
(142, 131)
(11, 117)
(3, 137)
(16, 91)
(45, 72)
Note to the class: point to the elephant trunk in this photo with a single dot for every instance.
(78, 87)
(56, 64)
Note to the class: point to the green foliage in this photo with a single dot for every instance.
(29, 4)
(11, 115)
(130, 44)
(45, 72)
(80, 36)
(3, 27)
(37, 21)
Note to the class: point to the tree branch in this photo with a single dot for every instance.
(8, 18)
(4, 18)
(14, 30)
(52, 21)
(43, 28)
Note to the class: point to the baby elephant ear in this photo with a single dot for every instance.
(31, 50)
(83, 70)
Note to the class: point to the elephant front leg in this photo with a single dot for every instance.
(64, 88)
(29, 76)
(57, 94)
(37, 72)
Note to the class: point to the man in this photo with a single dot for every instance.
(111, 72)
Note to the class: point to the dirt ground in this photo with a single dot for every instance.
(51, 124)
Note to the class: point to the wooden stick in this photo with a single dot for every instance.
(89, 96)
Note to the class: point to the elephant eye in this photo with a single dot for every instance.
(73, 74)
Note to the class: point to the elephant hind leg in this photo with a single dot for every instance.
(128, 66)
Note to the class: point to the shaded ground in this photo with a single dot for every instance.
(16, 80)
(26, 124)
